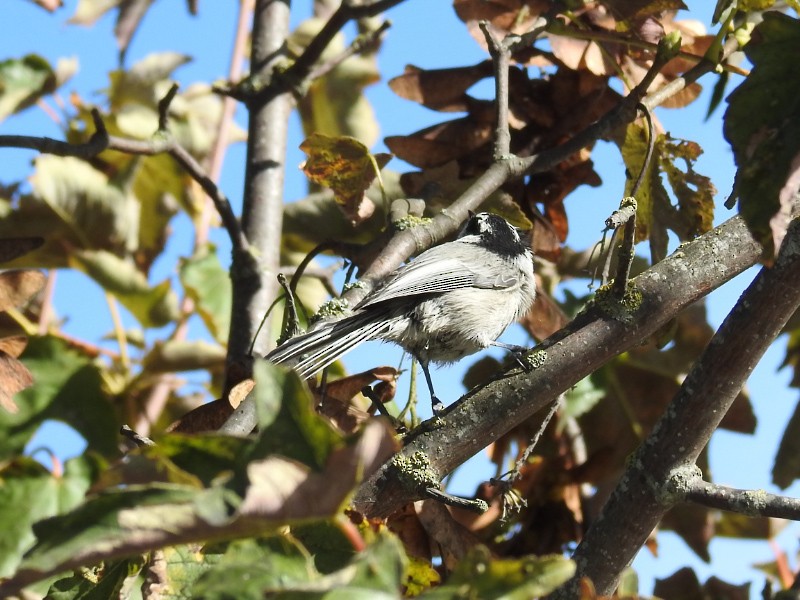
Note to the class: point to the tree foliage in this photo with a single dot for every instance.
(267, 486)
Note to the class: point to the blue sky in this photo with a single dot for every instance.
(427, 34)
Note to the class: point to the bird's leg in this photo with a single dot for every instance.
(516, 351)
(436, 404)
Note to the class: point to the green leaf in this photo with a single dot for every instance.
(481, 576)
(582, 397)
(763, 131)
(29, 493)
(23, 81)
(184, 565)
(651, 194)
(114, 522)
(194, 460)
(335, 104)
(276, 568)
(72, 206)
(146, 82)
(209, 285)
(101, 583)
(68, 387)
(288, 423)
(327, 543)
(152, 306)
(250, 568)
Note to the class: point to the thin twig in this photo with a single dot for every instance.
(626, 248)
(501, 52)
(472, 504)
(298, 73)
(357, 46)
(501, 57)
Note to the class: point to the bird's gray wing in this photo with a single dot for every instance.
(437, 271)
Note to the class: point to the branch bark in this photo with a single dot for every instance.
(655, 479)
(485, 414)
(253, 274)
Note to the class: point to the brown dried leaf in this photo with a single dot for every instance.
(453, 539)
(283, 489)
(505, 16)
(207, 417)
(406, 525)
(442, 143)
(343, 403)
(13, 346)
(440, 89)
(14, 377)
(545, 317)
(18, 287)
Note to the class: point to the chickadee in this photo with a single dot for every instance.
(452, 300)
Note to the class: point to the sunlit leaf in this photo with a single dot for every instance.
(765, 141)
(68, 387)
(146, 82)
(29, 493)
(210, 286)
(23, 81)
(650, 194)
(335, 104)
(346, 166)
(512, 578)
(152, 306)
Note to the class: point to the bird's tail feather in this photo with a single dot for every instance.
(311, 352)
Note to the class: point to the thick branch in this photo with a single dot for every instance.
(253, 274)
(644, 493)
(570, 355)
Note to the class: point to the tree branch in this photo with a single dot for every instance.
(253, 274)
(485, 414)
(300, 72)
(161, 143)
(754, 503)
(643, 495)
(411, 241)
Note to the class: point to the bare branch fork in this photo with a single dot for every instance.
(160, 143)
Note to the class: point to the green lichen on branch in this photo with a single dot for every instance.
(335, 307)
(536, 358)
(415, 472)
(611, 305)
(409, 222)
